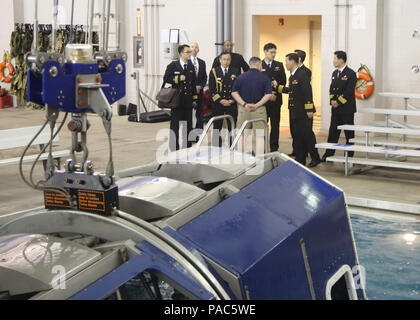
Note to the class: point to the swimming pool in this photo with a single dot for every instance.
(389, 250)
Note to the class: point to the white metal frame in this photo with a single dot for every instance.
(351, 287)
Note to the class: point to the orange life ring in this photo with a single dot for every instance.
(368, 85)
(11, 70)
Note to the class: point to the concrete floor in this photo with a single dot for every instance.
(136, 144)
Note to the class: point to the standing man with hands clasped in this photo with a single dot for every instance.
(252, 90)
(343, 101)
(181, 74)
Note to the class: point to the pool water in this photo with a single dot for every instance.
(389, 250)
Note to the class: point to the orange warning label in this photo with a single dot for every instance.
(91, 200)
(53, 199)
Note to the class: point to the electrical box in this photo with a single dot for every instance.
(138, 45)
(171, 40)
(170, 51)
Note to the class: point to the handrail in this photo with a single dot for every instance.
(210, 123)
(242, 129)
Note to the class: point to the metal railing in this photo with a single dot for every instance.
(242, 130)
(210, 124)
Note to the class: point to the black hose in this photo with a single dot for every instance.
(24, 154)
(49, 188)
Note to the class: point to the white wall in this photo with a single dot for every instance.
(401, 50)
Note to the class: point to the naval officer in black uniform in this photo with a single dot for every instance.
(274, 70)
(221, 80)
(181, 74)
(314, 156)
(301, 108)
(343, 101)
(238, 61)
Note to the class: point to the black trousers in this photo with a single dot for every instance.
(182, 113)
(220, 110)
(313, 152)
(199, 112)
(273, 114)
(293, 134)
(334, 134)
(304, 141)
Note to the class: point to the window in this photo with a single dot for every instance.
(146, 286)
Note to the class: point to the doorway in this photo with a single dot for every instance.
(289, 33)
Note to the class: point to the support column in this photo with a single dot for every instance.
(219, 25)
(227, 21)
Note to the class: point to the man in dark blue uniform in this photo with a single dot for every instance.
(181, 74)
(343, 101)
(274, 70)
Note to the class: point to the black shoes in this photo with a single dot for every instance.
(314, 163)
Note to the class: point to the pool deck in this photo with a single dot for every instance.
(136, 144)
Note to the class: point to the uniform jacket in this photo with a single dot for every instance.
(221, 87)
(276, 72)
(342, 90)
(173, 76)
(307, 70)
(202, 73)
(237, 62)
(300, 94)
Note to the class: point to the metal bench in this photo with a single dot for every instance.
(390, 112)
(18, 138)
(375, 163)
(410, 145)
(370, 162)
(371, 129)
(368, 130)
(388, 148)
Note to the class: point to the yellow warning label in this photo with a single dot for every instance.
(91, 200)
(53, 199)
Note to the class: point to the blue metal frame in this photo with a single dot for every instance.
(257, 233)
(45, 89)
